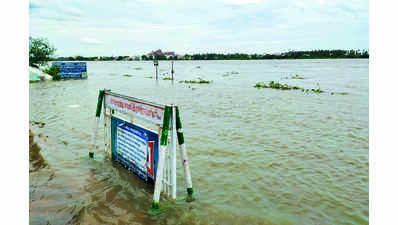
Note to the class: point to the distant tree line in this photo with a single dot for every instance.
(314, 54)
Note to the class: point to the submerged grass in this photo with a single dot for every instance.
(127, 75)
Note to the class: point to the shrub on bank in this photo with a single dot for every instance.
(53, 71)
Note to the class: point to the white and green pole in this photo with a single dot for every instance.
(184, 155)
(162, 151)
(97, 120)
(173, 154)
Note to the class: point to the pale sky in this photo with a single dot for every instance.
(135, 27)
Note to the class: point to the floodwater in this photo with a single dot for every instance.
(257, 156)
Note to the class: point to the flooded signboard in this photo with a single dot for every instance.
(146, 111)
(72, 70)
(135, 147)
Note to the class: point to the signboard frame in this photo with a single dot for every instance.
(126, 110)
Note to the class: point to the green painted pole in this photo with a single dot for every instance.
(97, 119)
(184, 156)
(162, 152)
(99, 103)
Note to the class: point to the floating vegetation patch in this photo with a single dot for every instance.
(40, 124)
(198, 67)
(297, 77)
(276, 85)
(167, 78)
(230, 73)
(150, 77)
(195, 81)
(127, 75)
(138, 68)
(339, 93)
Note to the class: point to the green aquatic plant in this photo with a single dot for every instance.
(198, 67)
(339, 93)
(138, 68)
(277, 85)
(150, 77)
(167, 78)
(195, 82)
(318, 90)
(260, 85)
(127, 75)
(234, 72)
(297, 77)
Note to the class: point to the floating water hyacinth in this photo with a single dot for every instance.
(297, 77)
(277, 85)
(195, 81)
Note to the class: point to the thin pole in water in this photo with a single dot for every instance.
(184, 155)
(173, 154)
(97, 119)
(172, 70)
(156, 64)
(162, 151)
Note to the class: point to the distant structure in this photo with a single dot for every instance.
(169, 54)
(159, 52)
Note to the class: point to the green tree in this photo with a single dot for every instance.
(40, 51)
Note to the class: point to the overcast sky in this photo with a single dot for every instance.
(135, 27)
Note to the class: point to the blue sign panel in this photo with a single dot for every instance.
(74, 70)
(135, 148)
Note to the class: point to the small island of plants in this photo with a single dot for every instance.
(277, 85)
(195, 81)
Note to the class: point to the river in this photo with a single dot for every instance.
(257, 156)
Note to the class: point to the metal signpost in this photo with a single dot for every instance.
(172, 70)
(149, 154)
(156, 64)
(72, 70)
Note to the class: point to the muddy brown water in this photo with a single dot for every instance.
(258, 156)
